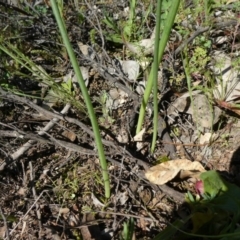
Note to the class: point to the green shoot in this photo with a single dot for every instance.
(86, 96)
(128, 230)
(162, 44)
(155, 76)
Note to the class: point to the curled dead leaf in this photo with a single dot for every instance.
(166, 171)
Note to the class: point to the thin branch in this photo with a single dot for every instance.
(30, 143)
(35, 197)
(49, 114)
(201, 30)
(5, 224)
(15, 227)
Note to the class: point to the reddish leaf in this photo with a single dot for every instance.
(230, 106)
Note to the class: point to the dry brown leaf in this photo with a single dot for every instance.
(143, 224)
(189, 174)
(86, 235)
(2, 231)
(64, 210)
(70, 135)
(228, 105)
(165, 172)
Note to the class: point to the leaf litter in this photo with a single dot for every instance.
(68, 184)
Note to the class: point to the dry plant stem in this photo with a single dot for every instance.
(164, 135)
(99, 29)
(54, 120)
(22, 135)
(11, 6)
(234, 36)
(24, 175)
(35, 197)
(5, 224)
(113, 81)
(175, 195)
(115, 199)
(186, 144)
(18, 153)
(34, 204)
(125, 215)
(45, 112)
(72, 147)
(49, 114)
(21, 150)
(104, 220)
(201, 30)
(7, 133)
(30, 143)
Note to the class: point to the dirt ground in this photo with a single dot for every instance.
(50, 176)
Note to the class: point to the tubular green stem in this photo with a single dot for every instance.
(162, 44)
(86, 96)
(155, 77)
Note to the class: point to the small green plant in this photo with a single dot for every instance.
(215, 211)
(57, 92)
(72, 184)
(199, 60)
(105, 120)
(159, 46)
(128, 230)
(161, 159)
(123, 30)
(41, 9)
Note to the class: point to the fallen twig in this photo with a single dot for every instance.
(15, 227)
(35, 197)
(30, 143)
(5, 224)
(201, 30)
